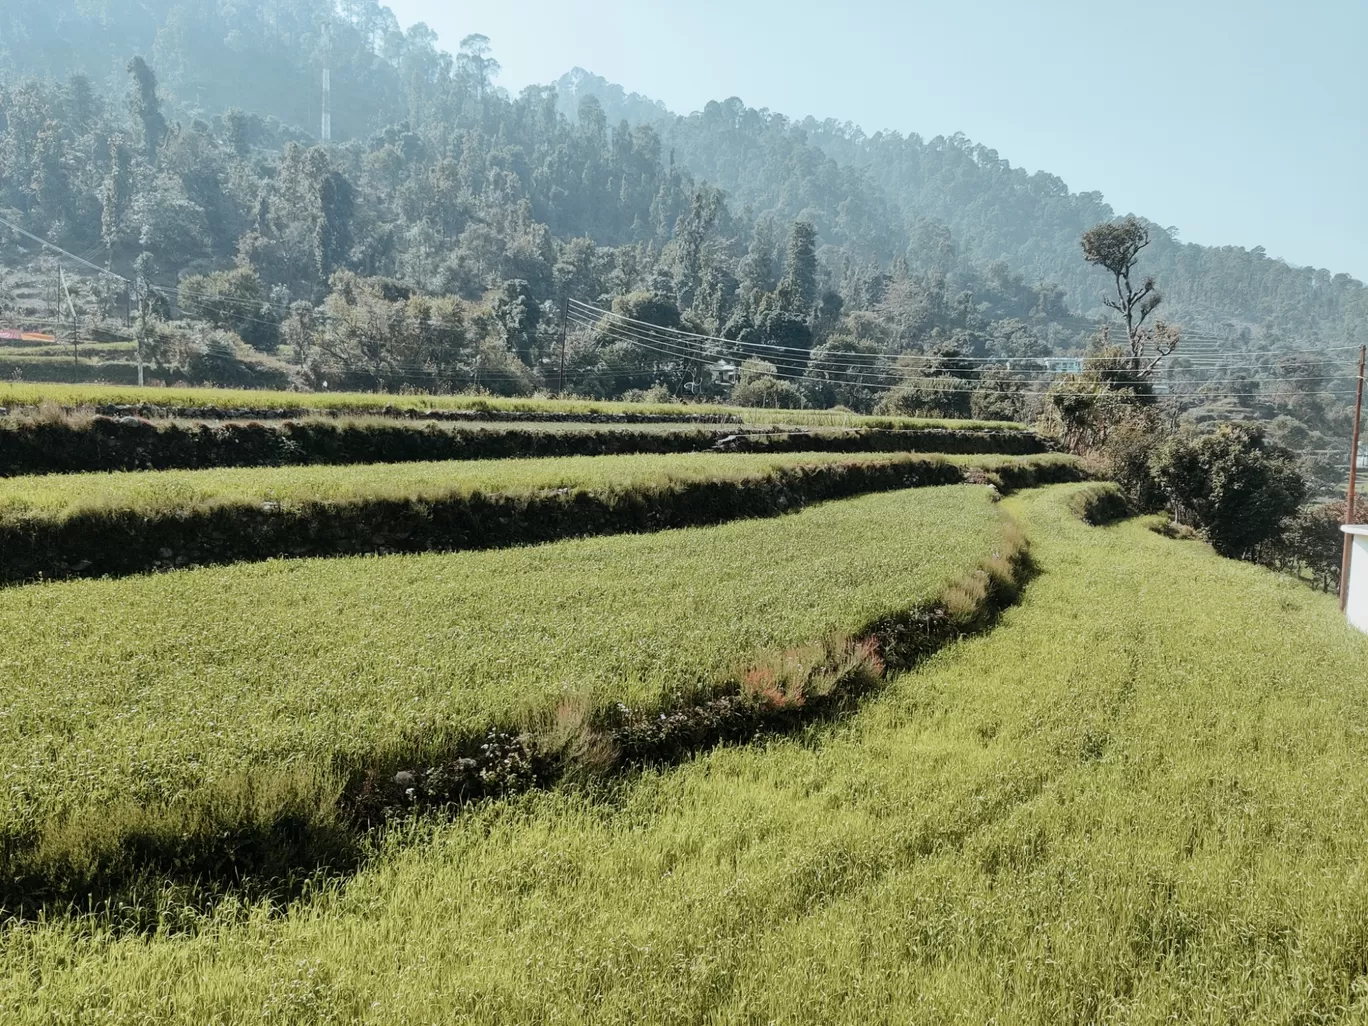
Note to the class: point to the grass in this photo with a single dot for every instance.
(214, 695)
(18, 394)
(1140, 800)
(54, 498)
(63, 349)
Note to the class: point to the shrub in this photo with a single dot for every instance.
(1234, 485)
(767, 393)
(1313, 544)
(927, 397)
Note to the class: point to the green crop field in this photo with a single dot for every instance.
(136, 703)
(1140, 799)
(49, 497)
(86, 351)
(20, 394)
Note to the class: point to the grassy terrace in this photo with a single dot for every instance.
(1140, 800)
(48, 497)
(21, 394)
(213, 696)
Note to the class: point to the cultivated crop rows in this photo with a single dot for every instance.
(238, 728)
(17, 395)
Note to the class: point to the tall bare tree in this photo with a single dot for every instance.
(1116, 247)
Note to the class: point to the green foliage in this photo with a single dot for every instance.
(1126, 457)
(881, 247)
(928, 397)
(1235, 486)
(235, 301)
(1311, 547)
(799, 286)
(764, 392)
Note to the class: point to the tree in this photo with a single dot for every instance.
(1116, 248)
(337, 205)
(145, 106)
(1233, 485)
(757, 387)
(518, 314)
(234, 301)
(927, 397)
(299, 332)
(475, 63)
(1313, 543)
(800, 269)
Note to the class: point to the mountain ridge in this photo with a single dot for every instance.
(894, 162)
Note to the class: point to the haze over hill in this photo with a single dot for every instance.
(944, 202)
(1241, 128)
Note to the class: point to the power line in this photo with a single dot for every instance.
(933, 383)
(892, 377)
(591, 310)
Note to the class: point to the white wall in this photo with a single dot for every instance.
(1358, 583)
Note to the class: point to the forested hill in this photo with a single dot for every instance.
(430, 152)
(961, 200)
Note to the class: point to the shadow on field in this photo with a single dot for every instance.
(254, 840)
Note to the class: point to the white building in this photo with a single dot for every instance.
(1357, 605)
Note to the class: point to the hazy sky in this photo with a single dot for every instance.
(1242, 123)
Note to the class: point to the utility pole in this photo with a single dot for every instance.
(62, 288)
(1353, 483)
(144, 301)
(142, 323)
(565, 321)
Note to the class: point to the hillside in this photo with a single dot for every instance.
(944, 201)
(454, 238)
(944, 205)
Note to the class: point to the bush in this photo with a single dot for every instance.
(1233, 485)
(1125, 458)
(1313, 544)
(927, 397)
(767, 393)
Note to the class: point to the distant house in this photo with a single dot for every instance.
(723, 372)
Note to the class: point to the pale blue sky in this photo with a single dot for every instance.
(1242, 123)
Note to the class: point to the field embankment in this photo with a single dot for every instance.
(88, 444)
(95, 525)
(1140, 799)
(222, 403)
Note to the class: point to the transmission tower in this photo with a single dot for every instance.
(326, 132)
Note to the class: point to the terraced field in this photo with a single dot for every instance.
(225, 699)
(1140, 799)
(48, 497)
(781, 768)
(21, 394)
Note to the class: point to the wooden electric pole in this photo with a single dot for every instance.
(1353, 483)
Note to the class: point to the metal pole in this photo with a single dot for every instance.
(565, 319)
(1353, 484)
